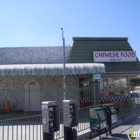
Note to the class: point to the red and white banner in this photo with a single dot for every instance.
(114, 56)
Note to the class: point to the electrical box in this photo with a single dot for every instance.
(50, 116)
(98, 119)
(70, 113)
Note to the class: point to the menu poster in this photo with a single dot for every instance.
(103, 125)
(102, 115)
(114, 118)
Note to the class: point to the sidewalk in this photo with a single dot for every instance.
(120, 132)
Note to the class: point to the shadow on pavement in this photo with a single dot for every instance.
(133, 121)
(116, 136)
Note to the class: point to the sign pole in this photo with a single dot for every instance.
(96, 79)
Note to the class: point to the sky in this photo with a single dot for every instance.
(27, 23)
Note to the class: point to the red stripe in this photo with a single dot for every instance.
(121, 73)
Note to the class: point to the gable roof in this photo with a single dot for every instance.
(83, 48)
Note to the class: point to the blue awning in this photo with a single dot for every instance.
(51, 69)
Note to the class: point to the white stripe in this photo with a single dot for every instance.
(85, 68)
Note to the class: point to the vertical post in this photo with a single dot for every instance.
(121, 109)
(29, 73)
(96, 91)
(29, 92)
(94, 95)
(128, 85)
(64, 75)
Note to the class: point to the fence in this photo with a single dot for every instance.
(28, 102)
(25, 101)
(30, 127)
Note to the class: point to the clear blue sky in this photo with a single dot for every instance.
(38, 22)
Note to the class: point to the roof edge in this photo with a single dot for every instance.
(100, 38)
(28, 47)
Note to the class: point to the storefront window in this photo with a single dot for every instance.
(114, 86)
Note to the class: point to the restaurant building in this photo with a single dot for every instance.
(97, 71)
(30, 75)
(120, 62)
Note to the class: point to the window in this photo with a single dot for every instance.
(115, 85)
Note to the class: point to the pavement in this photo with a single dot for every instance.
(31, 129)
(121, 132)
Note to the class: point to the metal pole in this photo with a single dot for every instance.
(64, 76)
(29, 93)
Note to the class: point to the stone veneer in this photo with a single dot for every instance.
(51, 88)
(33, 55)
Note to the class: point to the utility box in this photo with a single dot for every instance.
(112, 111)
(98, 119)
(50, 116)
(70, 113)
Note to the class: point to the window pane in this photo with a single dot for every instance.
(115, 86)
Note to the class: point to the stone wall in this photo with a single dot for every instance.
(51, 88)
(33, 55)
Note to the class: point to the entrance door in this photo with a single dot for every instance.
(32, 96)
(86, 92)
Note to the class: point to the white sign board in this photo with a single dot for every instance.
(114, 56)
(114, 118)
(44, 107)
(103, 125)
(97, 76)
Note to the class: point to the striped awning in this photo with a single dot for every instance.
(51, 69)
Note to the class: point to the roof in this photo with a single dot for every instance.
(83, 48)
(100, 38)
(50, 69)
(33, 55)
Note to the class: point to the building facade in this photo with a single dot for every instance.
(120, 62)
(30, 75)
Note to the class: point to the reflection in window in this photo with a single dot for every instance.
(115, 86)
